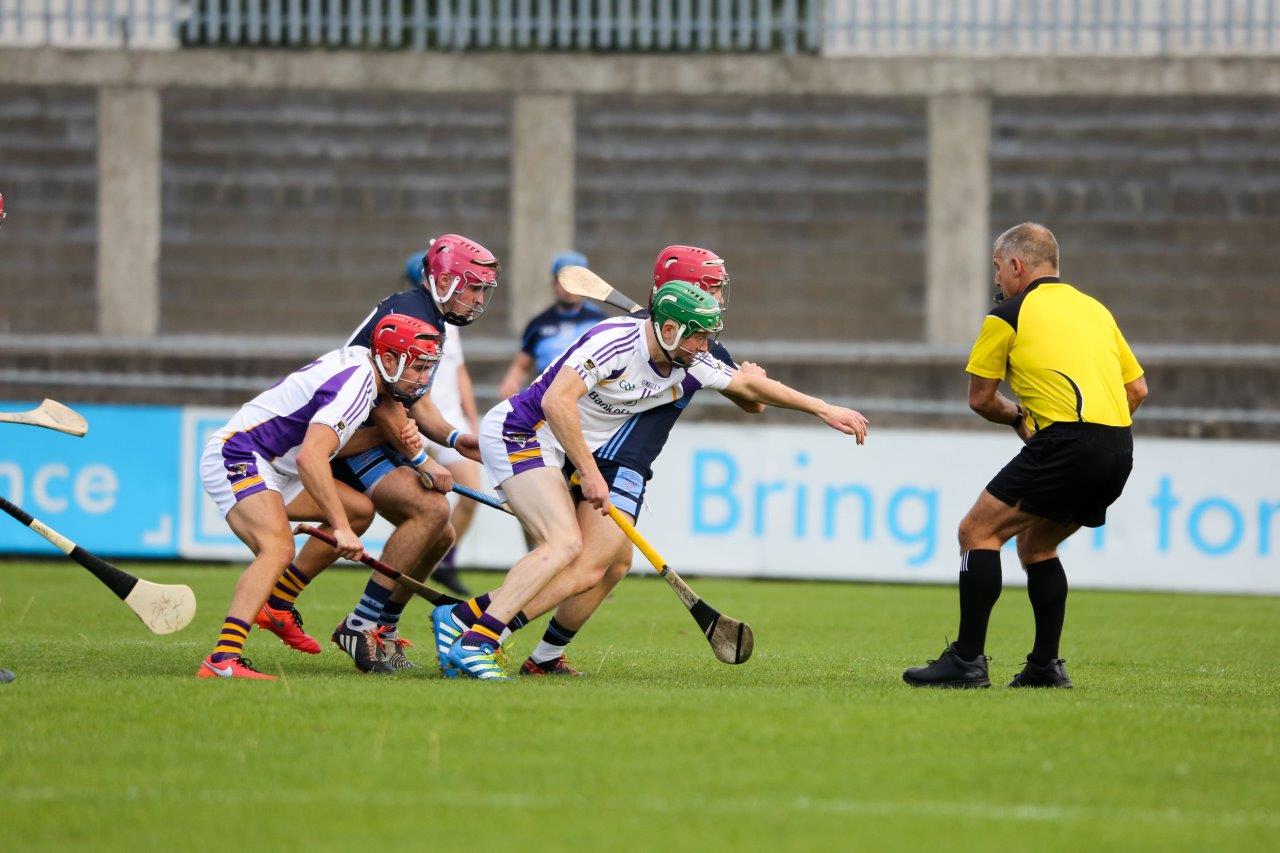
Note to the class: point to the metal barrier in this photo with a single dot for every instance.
(1052, 27)
(837, 27)
(608, 25)
(760, 26)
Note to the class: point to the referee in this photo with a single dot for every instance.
(1079, 384)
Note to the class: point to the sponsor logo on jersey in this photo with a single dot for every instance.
(589, 364)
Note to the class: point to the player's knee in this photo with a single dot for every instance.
(448, 537)
(967, 535)
(360, 516)
(617, 571)
(278, 550)
(1031, 551)
(565, 547)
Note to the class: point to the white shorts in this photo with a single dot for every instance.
(507, 452)
(446, 456)
(230, 477)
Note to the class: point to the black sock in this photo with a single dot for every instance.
(557, 634)
(518, 621)
(1047, 589)
(979, 591)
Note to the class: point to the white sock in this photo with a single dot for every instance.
(506, 632)
(355, 623)
(545, 652)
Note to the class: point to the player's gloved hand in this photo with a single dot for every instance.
(468, 446)
(847, 421)
(595, 490)
(752, 369)
(435, 476)
(347, 543)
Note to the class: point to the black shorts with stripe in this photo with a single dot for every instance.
(1068, 472)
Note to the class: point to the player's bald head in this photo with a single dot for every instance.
(1030, 241)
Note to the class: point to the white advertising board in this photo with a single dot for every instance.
(806, 502)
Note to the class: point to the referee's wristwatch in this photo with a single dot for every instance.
(1018, 419)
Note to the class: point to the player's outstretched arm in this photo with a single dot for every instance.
(751, 407)
(560, 405)
(313, 468)
(771, 392)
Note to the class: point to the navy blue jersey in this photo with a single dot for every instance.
(414, 302)
(643, 436)
(554, 330)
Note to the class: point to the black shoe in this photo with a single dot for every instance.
(365, 647)
(1052, 674)
(448, 578)
(950, 670)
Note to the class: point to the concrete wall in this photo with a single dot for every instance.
(814, 202)
(293, 212)
(49, 178)
(1168, 209)
(296, 181)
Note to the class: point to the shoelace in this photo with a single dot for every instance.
(297, 618)
(248, 664)
(386, 631)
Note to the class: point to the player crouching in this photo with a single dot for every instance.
(270, 465)
(585, 399)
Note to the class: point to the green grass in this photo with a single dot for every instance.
(107, 739)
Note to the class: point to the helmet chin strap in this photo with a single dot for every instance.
(672, 349)
(390, 381)
(448, 294)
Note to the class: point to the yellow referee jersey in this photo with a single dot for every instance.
(1065, 357)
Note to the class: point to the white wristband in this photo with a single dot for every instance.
(453, 438)
(419, 459)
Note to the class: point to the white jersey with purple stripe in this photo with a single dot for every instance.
(336, 390)
(612, 358)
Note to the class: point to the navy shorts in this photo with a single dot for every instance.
(363, 471)
(626, 486)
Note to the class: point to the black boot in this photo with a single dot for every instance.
(1052, 674)
(950, 670)
(447, 577)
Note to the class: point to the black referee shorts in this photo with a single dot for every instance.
(1069, 473)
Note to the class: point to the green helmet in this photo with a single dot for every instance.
(691, 308)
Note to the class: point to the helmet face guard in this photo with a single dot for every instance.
(692, 310)
(415, 344)
(453, 265)
(455, 314)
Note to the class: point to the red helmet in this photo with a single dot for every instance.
(411, 339)
(464, 262)
(699, 267)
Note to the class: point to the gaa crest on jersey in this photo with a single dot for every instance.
(342, 425)
(589, 364)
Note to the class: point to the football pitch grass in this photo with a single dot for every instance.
(109, 740)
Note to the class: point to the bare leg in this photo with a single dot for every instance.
(421, 517)
(466, 473)
(261, 523)
(990, 523)
(540, 499)
(604, 547)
